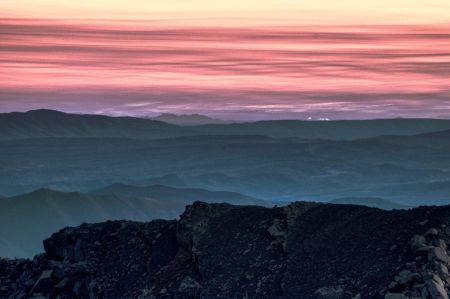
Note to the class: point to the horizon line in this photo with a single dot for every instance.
(212, 117)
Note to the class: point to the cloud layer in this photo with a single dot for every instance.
(144, 68)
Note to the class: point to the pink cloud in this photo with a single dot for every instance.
(244, 62)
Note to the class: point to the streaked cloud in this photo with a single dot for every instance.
(284, 71)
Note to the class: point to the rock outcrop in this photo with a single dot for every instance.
(304, 250)
(427, 276)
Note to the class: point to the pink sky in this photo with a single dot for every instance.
(358, 62)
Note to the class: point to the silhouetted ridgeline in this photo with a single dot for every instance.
(185, 195)
(304, 250)
(49, 123)
(27, 219)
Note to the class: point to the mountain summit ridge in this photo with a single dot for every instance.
(320, 251)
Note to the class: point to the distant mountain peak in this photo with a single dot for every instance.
(188, 119)
(45, 111)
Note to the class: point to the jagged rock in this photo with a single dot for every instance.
(296, 209)
(438, 254)
(436, 288)
(278, 231)
(440, 243)
(441, 269)
(202, 255)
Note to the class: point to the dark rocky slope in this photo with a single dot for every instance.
(304, 250)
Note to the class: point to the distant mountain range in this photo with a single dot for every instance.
(186, 195)
(49, 123)
(188, 119)
(124, 168)
(410, 170)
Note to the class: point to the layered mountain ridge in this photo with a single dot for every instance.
(410, 170)
(50, 123)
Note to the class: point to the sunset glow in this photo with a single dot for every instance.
(269, 59)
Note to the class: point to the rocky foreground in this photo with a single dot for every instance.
(304, 250)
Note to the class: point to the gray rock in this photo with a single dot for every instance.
(439, 254)
(417, 242)
(440, 243)
(189, 287)
(276, 231)
(441, 269)
(395, 296)
(436, 288)
(332, 292)
(406, 277)
(432, 232)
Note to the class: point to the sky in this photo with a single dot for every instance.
(234, 59)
